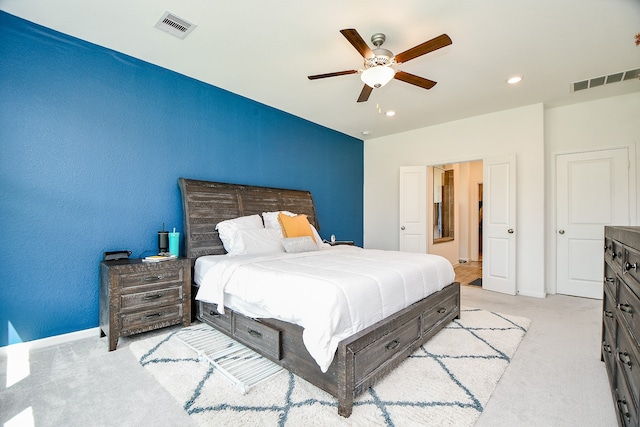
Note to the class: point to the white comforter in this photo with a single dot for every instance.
(332, 293)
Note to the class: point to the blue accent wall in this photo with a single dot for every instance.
(92, 143)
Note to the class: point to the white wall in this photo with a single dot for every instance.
(535, 136)
(606, 123)
(518, 131)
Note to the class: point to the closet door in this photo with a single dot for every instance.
(592, 190)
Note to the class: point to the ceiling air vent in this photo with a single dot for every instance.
(175, 26)
(605, 80)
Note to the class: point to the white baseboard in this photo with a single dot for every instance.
(49, 341)
(532, 294)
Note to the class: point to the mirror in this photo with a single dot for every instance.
(443, 205)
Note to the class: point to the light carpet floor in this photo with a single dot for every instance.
(447, 382)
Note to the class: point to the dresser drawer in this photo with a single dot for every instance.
(371, 357)
(614, 252)
(165, 274)
(437, 314)
(609, 311)
(150, 319)
(628, 359)
(152, 298)
(260, 336)
(209, 313)
(631, 267)
(609, 349)
(626, 409)
(629, 309)
(610, 280)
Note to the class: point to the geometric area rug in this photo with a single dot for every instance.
(446, 382)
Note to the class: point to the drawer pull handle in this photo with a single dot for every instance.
(624, 409)
(609, 279)
(254, 333)
(213, 313)
(609, 314)
(624, 358)
(628, 266)
(393, 344)
(149, 316)
(150, 278)
(156, 296)
(442, 310)
(626, 308)
(606, 347)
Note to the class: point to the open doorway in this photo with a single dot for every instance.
(465, 249)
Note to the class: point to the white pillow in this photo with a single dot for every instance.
(227, 229)
(271, 219)
(256, 241)
(294, 245)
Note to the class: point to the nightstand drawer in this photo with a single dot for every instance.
(153, 298)
(155, 275)
(258, 334)
(151, 319)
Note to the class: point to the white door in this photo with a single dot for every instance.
(592, 191)
(499, 224)
(413, 209)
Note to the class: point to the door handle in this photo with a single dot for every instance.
(561, 231)
(402, 228)
(510, 231)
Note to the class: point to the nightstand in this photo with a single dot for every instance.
(137, 296)
(342, 242)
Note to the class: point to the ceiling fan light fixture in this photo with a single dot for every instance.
(376, 77)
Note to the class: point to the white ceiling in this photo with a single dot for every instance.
(264, 51)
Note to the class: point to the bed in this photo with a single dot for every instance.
(361, 358)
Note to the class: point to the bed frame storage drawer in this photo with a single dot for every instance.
(439, 313)
(370, 358)
(262, 337)
(209, 314)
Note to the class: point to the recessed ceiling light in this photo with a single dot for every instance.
(515, 79)
(390, 113)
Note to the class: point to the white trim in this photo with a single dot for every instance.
(532, 294)
(51, 341)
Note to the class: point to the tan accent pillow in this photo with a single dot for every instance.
(295, 226)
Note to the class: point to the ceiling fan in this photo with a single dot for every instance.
(378, 63)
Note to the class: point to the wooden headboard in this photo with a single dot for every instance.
(206, 203)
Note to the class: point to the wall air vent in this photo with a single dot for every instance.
(175, 26)
(605, 80)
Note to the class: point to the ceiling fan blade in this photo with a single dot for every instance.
(426, 47)
(354, 38)
(364, 95)
(414, 80)
(339, 73)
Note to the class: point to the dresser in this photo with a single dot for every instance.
(621, 320)
(137, 296)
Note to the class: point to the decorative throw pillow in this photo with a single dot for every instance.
(295, 226)
(293, 245)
